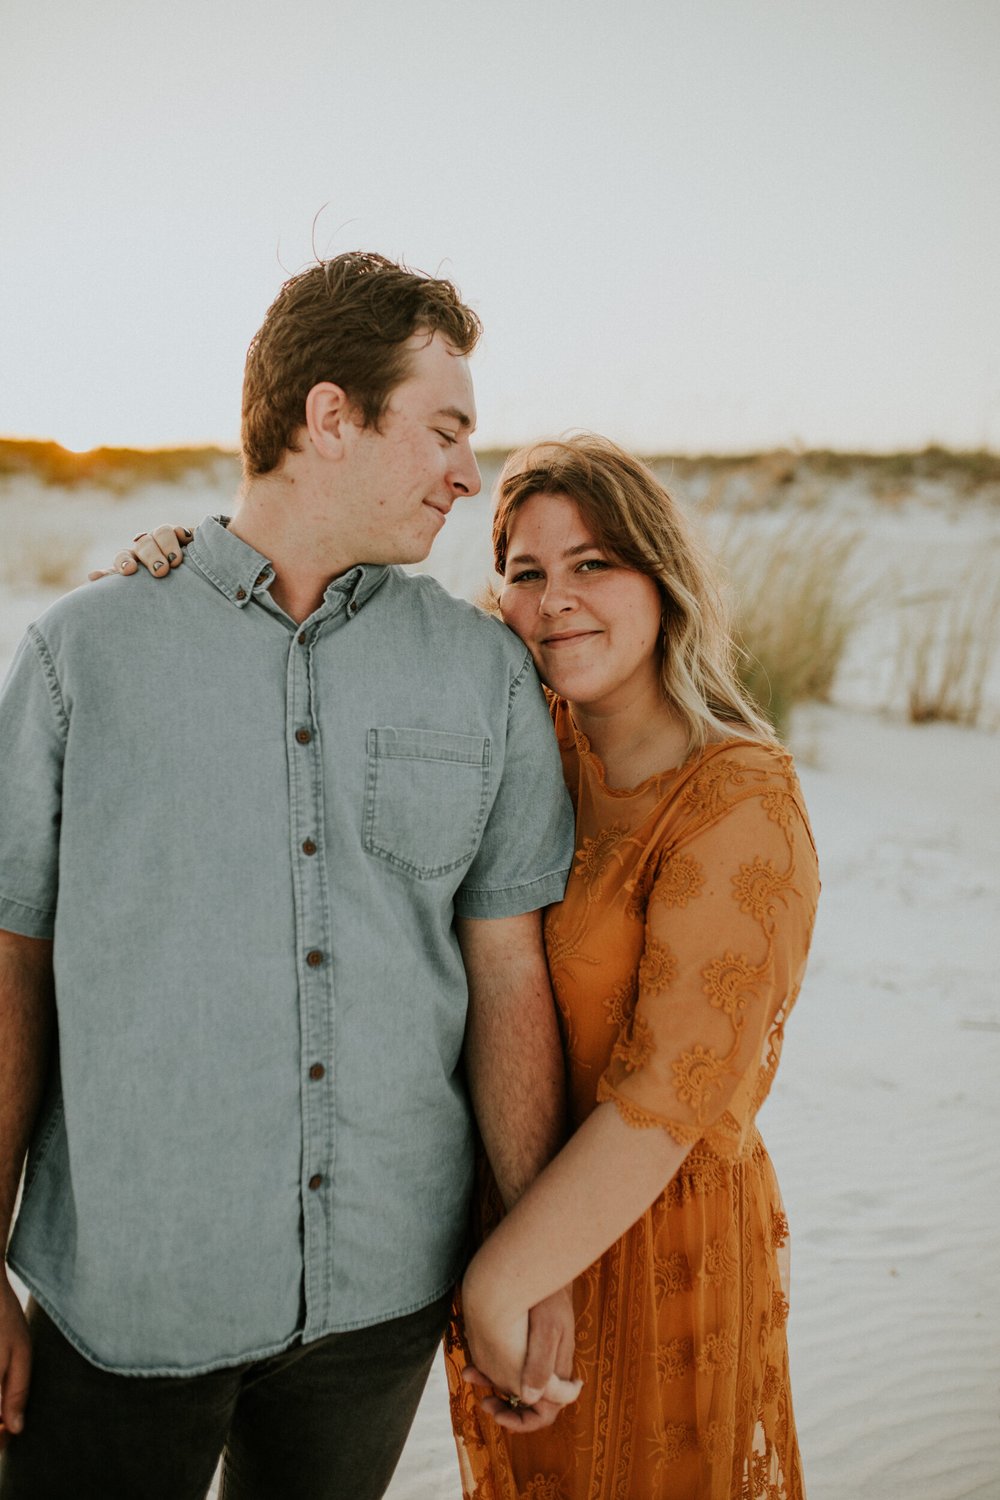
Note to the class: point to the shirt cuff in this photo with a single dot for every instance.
(26, 921)
(512, 900)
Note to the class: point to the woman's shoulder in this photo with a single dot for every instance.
(732, 772)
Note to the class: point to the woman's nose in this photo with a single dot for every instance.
(557, 598)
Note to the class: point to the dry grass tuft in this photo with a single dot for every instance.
(947, 645)
(796, 606)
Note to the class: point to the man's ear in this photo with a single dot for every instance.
(328, 412)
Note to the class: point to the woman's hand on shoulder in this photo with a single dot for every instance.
(157, 551)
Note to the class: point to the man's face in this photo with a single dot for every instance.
(403, 481)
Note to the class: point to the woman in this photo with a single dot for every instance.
(675, 959)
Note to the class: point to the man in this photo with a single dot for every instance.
(265, 812)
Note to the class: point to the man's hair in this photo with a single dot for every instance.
(345, 320)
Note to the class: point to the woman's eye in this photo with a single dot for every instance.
(594, 565)
(525, 575)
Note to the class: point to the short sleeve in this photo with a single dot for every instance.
(33, 727)
(526, 851)
(728, 923)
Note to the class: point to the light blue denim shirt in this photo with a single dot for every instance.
(249, 839)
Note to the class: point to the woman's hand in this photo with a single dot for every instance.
(158, 551)
(547, 1383)
(497, 1337)
(526, 1356)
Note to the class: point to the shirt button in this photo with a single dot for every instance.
(241, 593)
(316, 1180)
(302, 638)
(308, 847)
(316, 1072)
(303, 736)
(314, 958)
(260, 579)
(352, 608)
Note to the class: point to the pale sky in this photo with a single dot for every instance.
(690, 224)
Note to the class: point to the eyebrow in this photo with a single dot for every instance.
(462, 418)
(528, 557)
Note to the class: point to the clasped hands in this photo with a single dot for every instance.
(526, 1354)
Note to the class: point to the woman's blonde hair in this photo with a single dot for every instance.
(634, 519)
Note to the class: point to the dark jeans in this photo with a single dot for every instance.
(322, 1422)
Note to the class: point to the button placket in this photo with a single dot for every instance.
(316, 998)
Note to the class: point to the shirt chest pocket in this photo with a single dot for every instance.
(426, 798)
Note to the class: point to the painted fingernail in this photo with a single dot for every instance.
(171, 557)
(157, 566)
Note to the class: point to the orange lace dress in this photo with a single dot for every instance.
(676, 957)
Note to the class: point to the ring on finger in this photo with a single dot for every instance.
(512, 1401)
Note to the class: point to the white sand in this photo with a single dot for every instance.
(884, 1120)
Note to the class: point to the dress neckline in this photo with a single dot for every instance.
(659, 780)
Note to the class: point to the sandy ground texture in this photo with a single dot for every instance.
(885, 1115)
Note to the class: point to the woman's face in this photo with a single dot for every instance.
(591, 624)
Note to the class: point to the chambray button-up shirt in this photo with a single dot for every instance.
(249, 839)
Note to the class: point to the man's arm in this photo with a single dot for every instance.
(513, 1055)
(26, 1024)
(517, 1079)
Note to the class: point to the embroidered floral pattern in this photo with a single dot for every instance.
(719, 1264)
(717, 1441)
(594, 854)
(706, 790)
(657, 967)
(679, 881)
(700, 1174)
(670, 1439)
(779, 805)
(674, 1359)
(636, 1046)
(727, 981)
(671, 1274)
(779, 1228)
(717, 1352)
(771, 1389)
(544, 1487)
(756, 887)
(696, 1076)
(621, 1002)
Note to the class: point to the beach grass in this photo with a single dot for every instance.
(948, 642)
(795, 605)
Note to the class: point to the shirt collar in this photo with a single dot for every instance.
(239, 571)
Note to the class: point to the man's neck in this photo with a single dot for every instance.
(278, 520)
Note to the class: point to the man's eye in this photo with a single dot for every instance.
(449, 437)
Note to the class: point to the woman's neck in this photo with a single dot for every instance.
(634, 740)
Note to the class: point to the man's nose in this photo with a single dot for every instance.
(465, 477)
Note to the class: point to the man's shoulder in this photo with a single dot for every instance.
(445, 612)
(115, 608)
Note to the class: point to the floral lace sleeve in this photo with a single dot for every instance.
(728, 921)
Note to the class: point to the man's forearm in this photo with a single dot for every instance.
(513, 1053)
(26, 1026)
